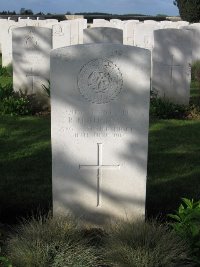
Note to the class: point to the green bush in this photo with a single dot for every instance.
(187, 224)
(6, 71)
(14, 103)
(55, 242)
(5, 91)
(146, 244)
(164, 109)
(4, 262)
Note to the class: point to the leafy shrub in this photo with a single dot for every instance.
(49, 242)
(4, 262)
(6, 71)
(187, 224)
(6, 91)
(146, 244)
(193, 112)
(14, 103)
(164, 109)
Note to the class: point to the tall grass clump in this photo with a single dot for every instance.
(52, 242)
(146, 244)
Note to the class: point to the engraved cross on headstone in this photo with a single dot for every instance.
(99, 167)
(171, 66)
(32, 75)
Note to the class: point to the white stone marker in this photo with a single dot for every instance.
(102, 35)
(102, 23)
(195, 30)
(7, 41)
(152, 22)
(172, 58)
(76, 30)
(31, 60)
(100, 106)
(143, 35)
(61, 35)
(2, 23)
(128, 32)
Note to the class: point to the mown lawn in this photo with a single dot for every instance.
(173, 164)
(25, 166)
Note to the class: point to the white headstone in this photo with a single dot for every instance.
(128, 32)
(143, 35)
(100, 106)
(195, 30)
(2, 23)
(76, 30)
(118, 23)
(172, 58)
(103, 23)
(153, 22)
(102, 35)
(31, 60)
(7, 41)
(61, 35)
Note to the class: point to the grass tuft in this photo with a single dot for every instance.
(47, 241)
(146, 244)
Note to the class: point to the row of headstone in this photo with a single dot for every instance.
(65, 33)
(71, 32)
(167, 78)
(170, 66)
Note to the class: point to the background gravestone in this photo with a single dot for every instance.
(31, 61)
(195, 31)
(143, 35)
(61, 35)
(128, 32)
(172, 59)
(100, 108)
(7, 41)
(102, 35)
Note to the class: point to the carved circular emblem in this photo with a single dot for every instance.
(100, 81)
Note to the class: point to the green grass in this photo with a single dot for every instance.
(25, 166)
(195, 93)
(173, 164)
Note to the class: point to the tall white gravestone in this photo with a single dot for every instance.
(102, 35)
(7, 41)
(31, 60)
(195, 30)
(172, 59)
(61, 35)
(100, 114)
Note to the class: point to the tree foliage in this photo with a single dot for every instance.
(189, 9)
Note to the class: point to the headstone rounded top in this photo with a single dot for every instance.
(100, 81)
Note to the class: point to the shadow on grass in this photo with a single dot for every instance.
(173, 165)
(25, 166)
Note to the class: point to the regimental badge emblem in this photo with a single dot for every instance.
(100, 81)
